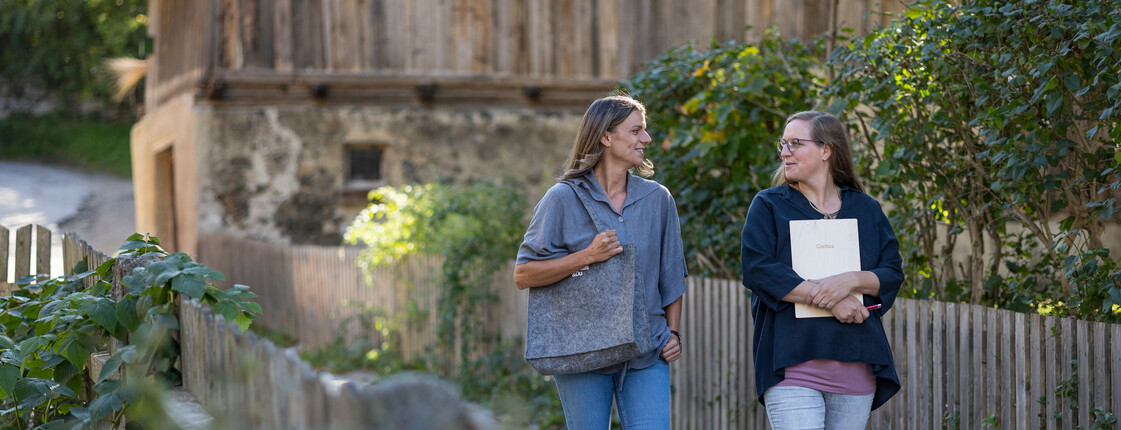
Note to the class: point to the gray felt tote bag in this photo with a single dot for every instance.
(591, 319)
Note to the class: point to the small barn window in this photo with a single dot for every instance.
(364, 166)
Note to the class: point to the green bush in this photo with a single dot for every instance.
(987, 115)
(476, 228)
(989, 121)
(714, 116)
(61, 43)
(49, 328)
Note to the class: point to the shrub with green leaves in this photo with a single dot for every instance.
(714, 116)
(476, 228)
(997, 120)
(51, 326)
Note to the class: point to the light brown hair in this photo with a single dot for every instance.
(602, 116)
(826, 128)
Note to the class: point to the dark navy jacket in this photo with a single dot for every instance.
(782, 340)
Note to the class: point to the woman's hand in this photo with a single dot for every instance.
(672, 351)
(850, 311)
(832, 290)
(605, 245)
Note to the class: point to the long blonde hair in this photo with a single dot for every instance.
(826, 128)
(602, 116)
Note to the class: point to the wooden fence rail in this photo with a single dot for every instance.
(32, 244)
(962, 366)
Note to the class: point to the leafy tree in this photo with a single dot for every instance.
(61, 43)
(476, 228)
(991, 114)
(714, 116)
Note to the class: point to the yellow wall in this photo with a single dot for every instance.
(169, 128)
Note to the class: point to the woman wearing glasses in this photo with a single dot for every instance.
(823, 373)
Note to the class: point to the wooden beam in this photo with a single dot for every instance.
(262, 88)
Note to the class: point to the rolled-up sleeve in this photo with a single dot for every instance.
(768, 278)
(890, 267)
(671, 282)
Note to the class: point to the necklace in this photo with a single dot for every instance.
(828, 215)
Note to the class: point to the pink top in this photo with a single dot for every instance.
(832, 377)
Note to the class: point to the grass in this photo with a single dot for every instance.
(89, 144)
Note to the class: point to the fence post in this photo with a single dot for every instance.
(4, 285)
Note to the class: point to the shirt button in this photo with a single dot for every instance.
(620, 219)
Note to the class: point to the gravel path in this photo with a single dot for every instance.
(97, 207)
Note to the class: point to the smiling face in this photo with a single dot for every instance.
(626, 143)
(807, 161)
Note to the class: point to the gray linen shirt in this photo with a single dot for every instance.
(561, 226)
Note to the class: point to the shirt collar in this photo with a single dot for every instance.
(637, 187)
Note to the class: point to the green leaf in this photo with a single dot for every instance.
(110, 367)
(29, 346)
(103, 271)
(74, 351)
(107, 386)
(192, 286)
(126, 313)
(1053, 104)
(243, 321)
(103, 405)
(204, 271)
(1090, 134)
(101, 311)
(227, 310)
(252, 307)
(8, 376)
(167, 321)
(6, 342)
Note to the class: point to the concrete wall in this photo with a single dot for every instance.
(278, 173)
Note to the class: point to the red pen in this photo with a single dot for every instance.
(875, 306)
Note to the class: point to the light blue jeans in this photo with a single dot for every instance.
(798, 408)
(641, 396)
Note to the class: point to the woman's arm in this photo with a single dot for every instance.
(773, 281)
(830, 291)
(547, 272)
(672, 351)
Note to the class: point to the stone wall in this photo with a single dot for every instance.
(26, 99)
(278, 173)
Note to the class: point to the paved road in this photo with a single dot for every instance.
(98, 207)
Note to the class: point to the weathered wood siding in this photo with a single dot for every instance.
(556, 40)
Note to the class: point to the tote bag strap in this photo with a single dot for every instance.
(600, 226)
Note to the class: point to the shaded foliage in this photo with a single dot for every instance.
(51, 326)
(994, 120)
(61, 43)
(476, 228)
(988, 125)
(714, 116)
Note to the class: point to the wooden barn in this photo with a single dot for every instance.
(271, 120)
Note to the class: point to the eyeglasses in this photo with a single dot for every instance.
(793, 144)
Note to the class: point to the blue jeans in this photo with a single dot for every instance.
(790, 408)
(641, 396)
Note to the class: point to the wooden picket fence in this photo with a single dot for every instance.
(962, 366)
(32, 244)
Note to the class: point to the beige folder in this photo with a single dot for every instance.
(823, 248)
